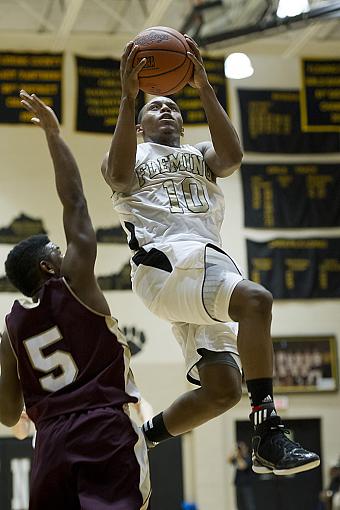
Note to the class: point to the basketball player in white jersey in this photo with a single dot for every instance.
(172, 208)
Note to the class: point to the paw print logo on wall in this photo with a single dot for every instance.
(136, 339)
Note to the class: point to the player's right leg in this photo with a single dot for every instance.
(228, 298)
(250, 305)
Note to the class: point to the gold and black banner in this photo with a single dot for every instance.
(99, 93)
(320, 95)
(38, 73)
(189, 100)
(296, 268)
(281, 195)
(271, 124)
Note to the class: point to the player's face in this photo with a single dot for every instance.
(162, 114)
(54, 256)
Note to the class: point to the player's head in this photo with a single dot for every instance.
(160, 119)
(31, 262)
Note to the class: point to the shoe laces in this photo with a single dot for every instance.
(280, 434)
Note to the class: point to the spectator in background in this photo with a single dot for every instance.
(243, 481)
(330, 498)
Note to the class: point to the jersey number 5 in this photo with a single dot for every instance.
(48, 363)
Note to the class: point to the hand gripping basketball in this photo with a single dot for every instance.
(167, 67)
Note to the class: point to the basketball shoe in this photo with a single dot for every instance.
(274, 452)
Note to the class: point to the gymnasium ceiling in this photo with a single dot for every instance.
(219, 25)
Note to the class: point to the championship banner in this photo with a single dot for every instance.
(320, 95)
(99, 94)
(271, 123)
(296, 268)
(189, 100)
(296, 195)
(38, 73)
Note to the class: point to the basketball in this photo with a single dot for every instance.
(168, 68)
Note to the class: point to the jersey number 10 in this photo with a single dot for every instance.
(194, 194)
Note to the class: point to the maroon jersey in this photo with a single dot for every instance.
(70, 358)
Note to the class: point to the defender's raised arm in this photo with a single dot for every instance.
(78, 263)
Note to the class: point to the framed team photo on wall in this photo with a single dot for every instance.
(305, 364)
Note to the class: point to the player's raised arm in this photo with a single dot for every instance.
(118, 165)
(79, 260)
(224, 155)
(11, 398)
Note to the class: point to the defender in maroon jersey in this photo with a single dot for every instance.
(63, 355)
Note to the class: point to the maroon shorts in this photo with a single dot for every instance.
(94, 460)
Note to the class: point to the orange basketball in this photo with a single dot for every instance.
(168, 68)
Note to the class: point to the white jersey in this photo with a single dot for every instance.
(174, 197)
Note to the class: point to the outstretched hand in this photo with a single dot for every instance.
(128, 73)
(200, 78)
(43, 115)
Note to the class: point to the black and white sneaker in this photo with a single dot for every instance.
(274, 452)
(259, 468)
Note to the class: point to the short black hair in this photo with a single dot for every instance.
(23, 263)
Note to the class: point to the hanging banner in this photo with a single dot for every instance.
(189, 100)
(99, 95)
(320, 95)
(38, 73)
(114, 235)
(296, 268)
(296, 195)
(271, 124)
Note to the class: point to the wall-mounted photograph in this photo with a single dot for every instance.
(305, 364)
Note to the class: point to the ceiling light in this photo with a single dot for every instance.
(238, 66)
(292, 8)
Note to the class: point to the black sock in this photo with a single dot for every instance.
(261, 399)
(155, 429)
(260, 391)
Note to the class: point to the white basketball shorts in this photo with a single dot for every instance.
(190, 285)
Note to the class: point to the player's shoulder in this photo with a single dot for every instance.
(202, 147)
(145, 147)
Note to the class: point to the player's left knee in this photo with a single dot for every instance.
(226, 396)
(258, 301)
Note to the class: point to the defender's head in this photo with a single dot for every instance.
(32, 262)
(160, 121)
